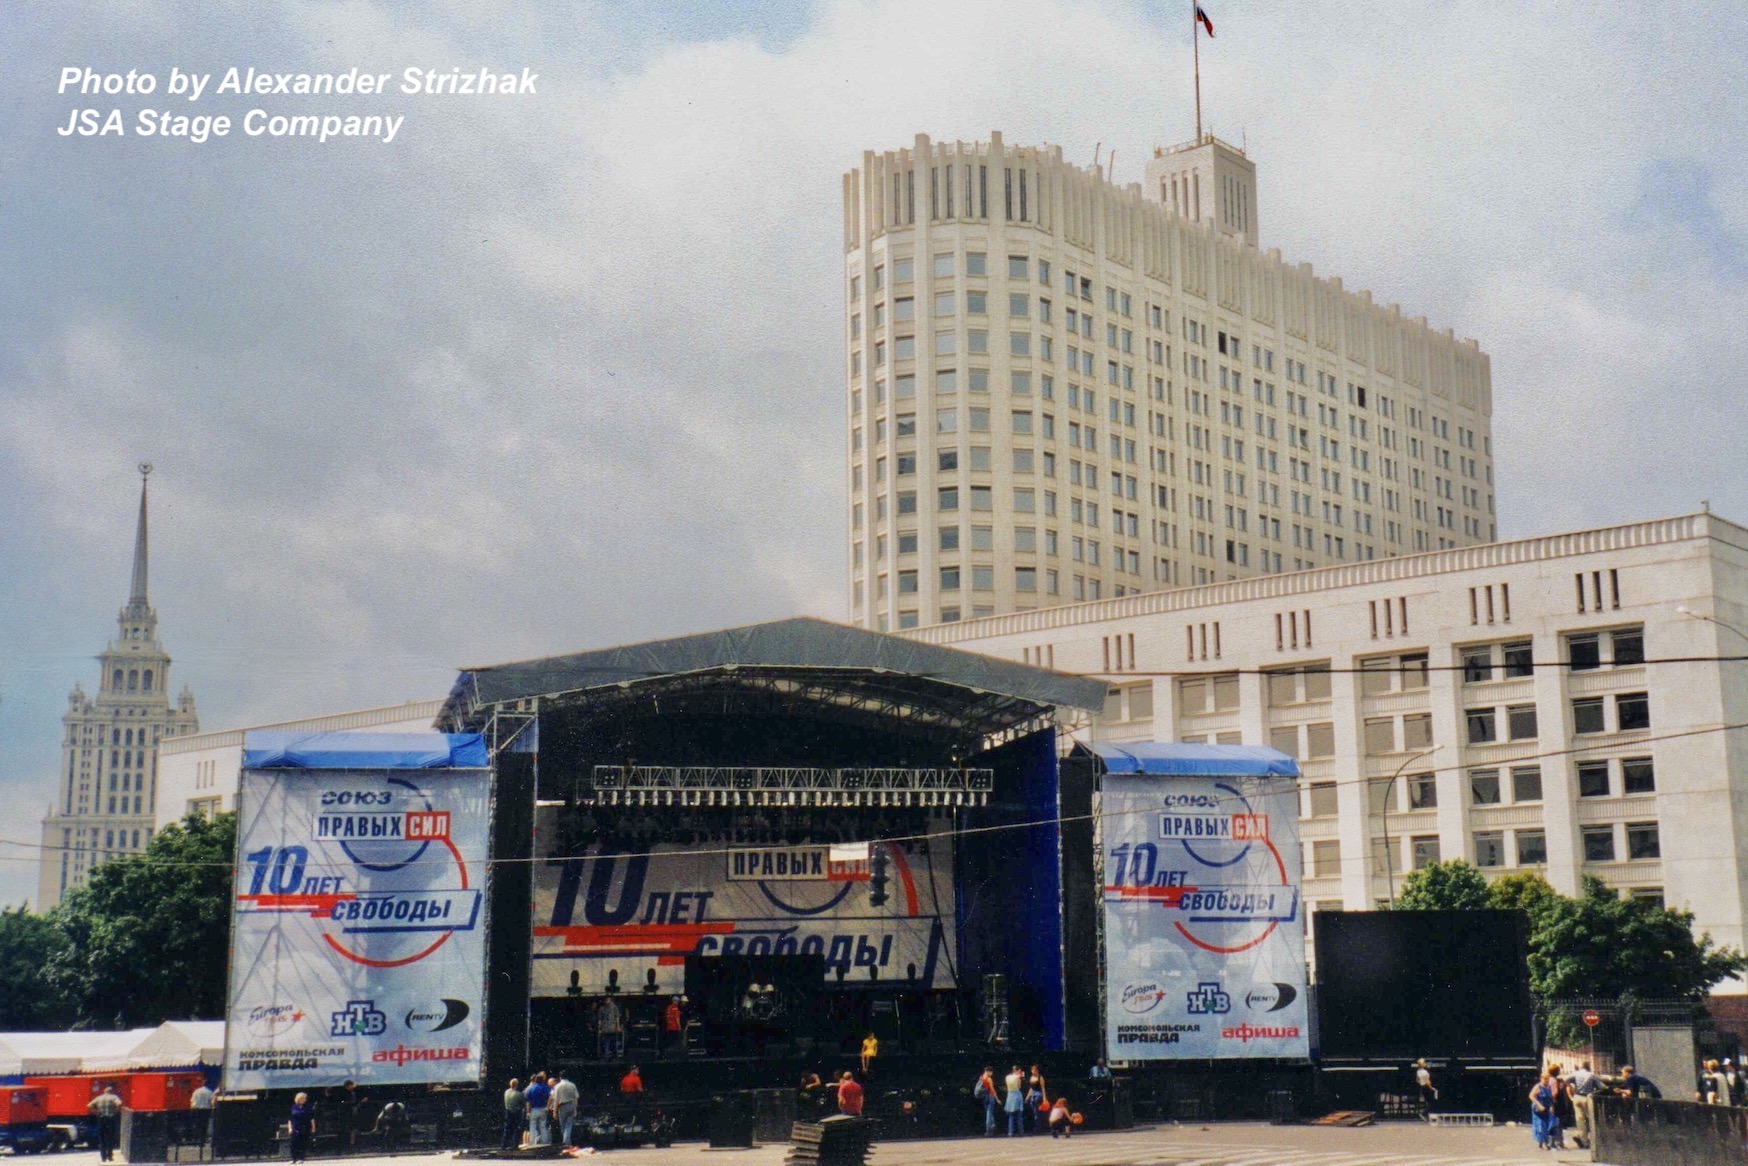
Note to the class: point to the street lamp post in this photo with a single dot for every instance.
(1390, 792)
(1729, 627)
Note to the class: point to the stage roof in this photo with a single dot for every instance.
(1168, 759)
(812, 656)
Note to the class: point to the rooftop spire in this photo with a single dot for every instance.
(138, 594)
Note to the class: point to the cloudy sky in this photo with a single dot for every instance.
(557, 371)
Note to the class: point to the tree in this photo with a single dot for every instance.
(1602, 945)
(1444, 886)
(28, 1001)
(146, 938)
(1529, 893)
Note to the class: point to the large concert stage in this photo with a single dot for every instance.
(769, 842)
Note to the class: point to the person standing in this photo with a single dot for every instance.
(610, 1024)
(984, 1092)
(303, 1127)
(673, 1024)
(515, 1105)
(536, 1097)
(849, 1095)
(632, 1083)
(1544, 1122)
(564, 1107)
(1635, 1085)
(1585, 1086)
(1737, 1082)
(106, 1108)
(200, 1104)
(1037, 1103)
(1015, 1101)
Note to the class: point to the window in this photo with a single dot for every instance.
(1477, 665)
(1629, 647)
(1417, 731)
(947, 498)
(1019, 305)
(1651, 895)
(1481, 726)
(1025, 538)
(1637, 776)
(1017, 267)
(1320, 740)
(1642, 840)
(1632, 710)
(1598, 843)
(1526, 783)
(1381, 735)
(976, 303)
(946, 420)
(976, 263)
(979, 459)
(1484, 787)
(1532, 848)
(1025, 578)
(1583, 652)
(1317, 683)
(907, 582)
(981, 497)
(1520, 721)
(1326, 858)
(1226, 695)
(1323, 803)
(983, 538)
(983, 578)
(944, 266)
(904, 309)
(1593, 779)
(1286, 739)
(903, 270)
(1490, 848)
(1422, 791)
(949, 538)
(947, 459)
(907, 501)
(1423, 850)
(1413, 672)
(1518, 660)
(1587, 715)
(944, 303)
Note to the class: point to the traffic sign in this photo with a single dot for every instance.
(1592, 1017)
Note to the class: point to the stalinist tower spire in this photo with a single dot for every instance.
(137, 595)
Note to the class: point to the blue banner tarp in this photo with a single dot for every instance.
(1167, 759)
(280, 749)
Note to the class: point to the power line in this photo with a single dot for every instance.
(993, 828)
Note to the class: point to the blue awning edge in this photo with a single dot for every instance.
(282, 749)
(1171, 759)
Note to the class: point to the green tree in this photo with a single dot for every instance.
(1602, 945)
(28, 1001)
(1529, 893)
(1444, 886)
(146, 938)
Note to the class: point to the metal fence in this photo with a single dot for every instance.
(1603, 1031)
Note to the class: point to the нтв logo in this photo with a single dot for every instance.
(1270, 997)
(272, 1019)
(1144, 997)
(359, 1018)
(1207, 998)
(451, 1014)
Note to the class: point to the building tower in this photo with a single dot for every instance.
(1060, 389)
(109, 744)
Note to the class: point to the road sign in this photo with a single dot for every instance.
(1592, 1017)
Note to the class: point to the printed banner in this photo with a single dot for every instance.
(358, 937)
(889, 907)
(1204, 941)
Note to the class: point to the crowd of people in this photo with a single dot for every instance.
(1562, 1101)
(547, 1109)
(1024, 1099)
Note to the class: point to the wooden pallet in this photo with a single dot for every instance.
(1345, 1117)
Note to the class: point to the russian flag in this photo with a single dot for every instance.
(1202, 18)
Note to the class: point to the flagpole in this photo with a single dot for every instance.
(1196, 53)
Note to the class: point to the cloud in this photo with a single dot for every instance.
(563, 372)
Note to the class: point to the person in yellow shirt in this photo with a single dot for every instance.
(870, 1050)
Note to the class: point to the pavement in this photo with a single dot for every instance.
(1225, 1144)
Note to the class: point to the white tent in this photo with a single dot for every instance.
(30, 1053)
(179, 1044)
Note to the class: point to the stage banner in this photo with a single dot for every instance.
(886, 908)
(358, 936)
(1204, 943)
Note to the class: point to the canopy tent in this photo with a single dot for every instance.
(45, 1053)
(1170, 759)
(175, 1044)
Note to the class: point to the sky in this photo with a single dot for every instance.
(562, 370)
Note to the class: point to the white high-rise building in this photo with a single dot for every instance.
(1060, 389)
(109, 746)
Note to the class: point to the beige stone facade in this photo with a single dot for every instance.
(1567, 705)
(1061, 390)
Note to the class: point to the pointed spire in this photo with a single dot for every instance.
(138, 595)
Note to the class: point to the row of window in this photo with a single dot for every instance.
(1488, 786)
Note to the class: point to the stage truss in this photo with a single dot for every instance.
(730, 786)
